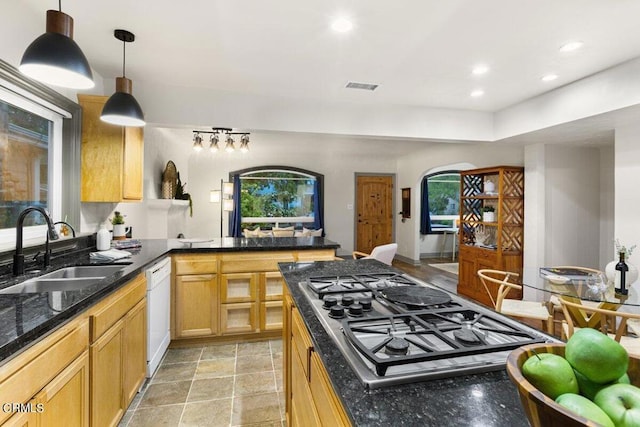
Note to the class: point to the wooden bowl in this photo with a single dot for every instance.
(541, 410)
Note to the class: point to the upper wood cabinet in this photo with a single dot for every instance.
(112, 156)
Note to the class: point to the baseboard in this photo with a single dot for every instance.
(407, 260)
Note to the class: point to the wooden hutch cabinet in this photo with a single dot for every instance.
(490, 241)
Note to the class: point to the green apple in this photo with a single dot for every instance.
(585, 408)
(621, 402)
(589, 389)
(551, 374)
(596, 356)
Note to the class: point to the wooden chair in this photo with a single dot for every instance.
(554, 300)
(612, 322)
(383, 253)
(512, 307)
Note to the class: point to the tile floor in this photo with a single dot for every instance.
(213, 385)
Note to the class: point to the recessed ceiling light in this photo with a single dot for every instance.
(477, 93)
(549, 77)
(342, 25)
(571, 46)
(480, 69)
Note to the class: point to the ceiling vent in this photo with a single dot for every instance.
(363, 86)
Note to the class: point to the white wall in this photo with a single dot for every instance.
(412, 167)
(627, 201)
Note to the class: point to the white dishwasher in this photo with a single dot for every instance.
(158, 295)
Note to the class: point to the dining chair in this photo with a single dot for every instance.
(513, 307)
(383, 253)
(614, 323)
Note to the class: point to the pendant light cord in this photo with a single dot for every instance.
(60, 5)
(124, 56)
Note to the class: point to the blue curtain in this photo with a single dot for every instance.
(235, 229)
(425, 217)
(318, 211)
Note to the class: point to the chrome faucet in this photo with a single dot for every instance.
(18, 257)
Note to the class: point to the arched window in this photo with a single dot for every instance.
(277, 196)
(440, 201)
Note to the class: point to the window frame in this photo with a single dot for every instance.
(284, 220)
(453, 218)
(68, 179)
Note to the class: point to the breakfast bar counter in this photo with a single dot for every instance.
(484, 399)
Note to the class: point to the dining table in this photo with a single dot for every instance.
(585, 290)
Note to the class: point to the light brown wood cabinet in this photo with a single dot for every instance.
(490, 243)
(112, 156)
(309, 396)
(233, 293)
(50, 373)
(194, 291)
(117, 352)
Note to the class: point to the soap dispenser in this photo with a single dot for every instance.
(103, 238)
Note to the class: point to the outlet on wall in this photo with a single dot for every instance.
(350, 207)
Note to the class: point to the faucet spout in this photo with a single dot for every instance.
(18, 257)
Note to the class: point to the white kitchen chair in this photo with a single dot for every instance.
(513, 307)
(383, 253)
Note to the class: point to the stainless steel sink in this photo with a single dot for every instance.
(50, 285)
(83, 271)
(65, 279)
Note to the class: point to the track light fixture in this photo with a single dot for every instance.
(54, 57)
(214, 140)
(122, 108)
(197, 142)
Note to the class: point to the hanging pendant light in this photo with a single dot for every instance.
(122, 108)
(214, 143)
(229, 147)
(244, 144)
(54, 57)
(197, 143)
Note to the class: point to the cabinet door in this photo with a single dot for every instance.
(22, 419)
(271, 285)
(196, 306)
(270, 315)
(327, 404)
(107, 402)
(238, 287)
(303, 410)
(133, 163)
(135, 350)
(65, 400)
(238, 318)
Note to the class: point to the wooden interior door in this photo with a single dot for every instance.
(374, 210)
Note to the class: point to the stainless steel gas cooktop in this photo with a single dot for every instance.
(394, 329)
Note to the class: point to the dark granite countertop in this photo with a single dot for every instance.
(488, 399)
(25, 318)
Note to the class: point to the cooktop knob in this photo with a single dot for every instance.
(355, 310)
(347, 300)
(329, 302)
(366, 304)
(336, 312)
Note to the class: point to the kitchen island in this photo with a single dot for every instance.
(486, 399)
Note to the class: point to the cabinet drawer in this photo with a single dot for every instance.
(22, 377)
(252, 261)
(316, 255)
(115, 307)
(195, 264)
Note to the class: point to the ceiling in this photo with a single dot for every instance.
(419, 52)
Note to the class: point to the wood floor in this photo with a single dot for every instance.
(429, 274)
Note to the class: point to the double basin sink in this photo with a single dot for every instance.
(65, 279)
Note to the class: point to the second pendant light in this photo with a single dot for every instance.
(122, 108)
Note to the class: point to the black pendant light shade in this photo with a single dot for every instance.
(121, 108)
(54, 57)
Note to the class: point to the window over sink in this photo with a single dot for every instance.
(39, 146)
